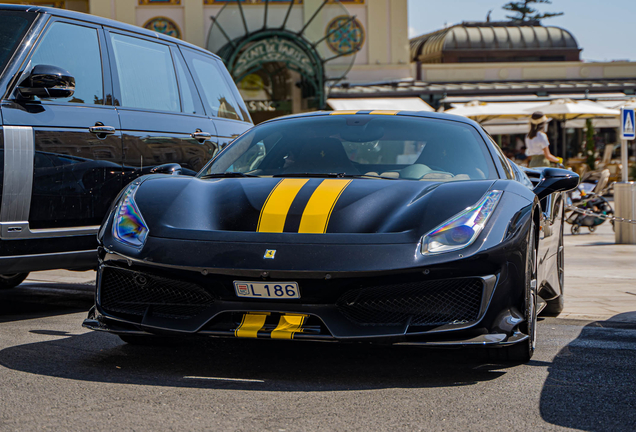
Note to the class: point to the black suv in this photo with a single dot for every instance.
(89, 104)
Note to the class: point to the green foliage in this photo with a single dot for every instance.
(590, 145)
(523, 11)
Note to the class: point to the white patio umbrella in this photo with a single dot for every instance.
(629, 103)
(568, 109)
(485, 111)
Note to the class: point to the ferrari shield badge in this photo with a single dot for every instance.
(269, 254)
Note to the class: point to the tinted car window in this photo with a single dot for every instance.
(76, 49)
(502, 158)
(218, 96)
(521, 176)
(187, 91)
(146, 74)
(376, 146)
(13, 26)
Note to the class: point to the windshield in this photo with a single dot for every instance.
(13, 26)
(369, 146)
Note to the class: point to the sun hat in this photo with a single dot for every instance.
(538, 117)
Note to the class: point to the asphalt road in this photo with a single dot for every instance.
(54, 375)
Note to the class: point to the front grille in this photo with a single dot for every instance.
(131, 292)
(425, 303)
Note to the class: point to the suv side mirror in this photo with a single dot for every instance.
(47, 81)
(556, 180)
(169, 168)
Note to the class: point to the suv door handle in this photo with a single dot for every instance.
(200, 135)
(102, 130)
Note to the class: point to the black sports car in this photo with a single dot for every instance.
(394, 227)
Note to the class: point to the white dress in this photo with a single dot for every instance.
(535, 146)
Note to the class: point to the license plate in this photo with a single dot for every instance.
(267, 290)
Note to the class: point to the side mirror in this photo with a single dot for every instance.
(169, 168)
(556, 180)
(47, 81)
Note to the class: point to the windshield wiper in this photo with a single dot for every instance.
(333, 175)
(227, 174)
(369, 176)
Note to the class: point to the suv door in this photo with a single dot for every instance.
(161, 114)
(63, 175)
(221, 98)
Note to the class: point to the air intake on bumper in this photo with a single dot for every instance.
(422, 303)
(129, 292)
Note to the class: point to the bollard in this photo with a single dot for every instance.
(625, 203)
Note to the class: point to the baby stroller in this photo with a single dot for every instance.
(591, 202)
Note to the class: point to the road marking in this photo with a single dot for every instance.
(224, 379)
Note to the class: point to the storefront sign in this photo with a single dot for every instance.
(268, 105)
(255, 106)
(273, 50)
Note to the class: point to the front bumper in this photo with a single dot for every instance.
(432, 307)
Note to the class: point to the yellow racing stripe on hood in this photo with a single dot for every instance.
(384, 112)
(276, 207)
(343, 112)
(318, 210)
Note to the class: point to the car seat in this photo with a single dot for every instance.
(322, 155)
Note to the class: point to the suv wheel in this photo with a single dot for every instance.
(11, 280)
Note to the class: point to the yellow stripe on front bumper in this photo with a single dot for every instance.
(288, 326)
(318, 210)
(275, 209)
(251, 324)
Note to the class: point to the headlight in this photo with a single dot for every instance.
(462, 230)
(129, 226)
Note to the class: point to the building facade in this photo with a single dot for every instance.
(285, 55)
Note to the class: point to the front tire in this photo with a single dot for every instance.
(12, 280)
(522, 352)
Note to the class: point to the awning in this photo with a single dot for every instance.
(506, 127)
(393, 104)
(597, 123)
(488, 111)
(513, 127)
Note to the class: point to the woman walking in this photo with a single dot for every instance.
(537, 144)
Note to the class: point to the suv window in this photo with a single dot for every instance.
(13, 26)
(219, 98)
(74, 48)
(146, 74)
(188, 93)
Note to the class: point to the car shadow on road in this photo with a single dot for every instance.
(591, 382)
(595, 244)
(39, 299)
(247, 364)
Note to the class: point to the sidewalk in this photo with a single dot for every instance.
(63, 276)
(600, 276)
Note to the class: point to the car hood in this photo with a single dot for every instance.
(200, 209)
